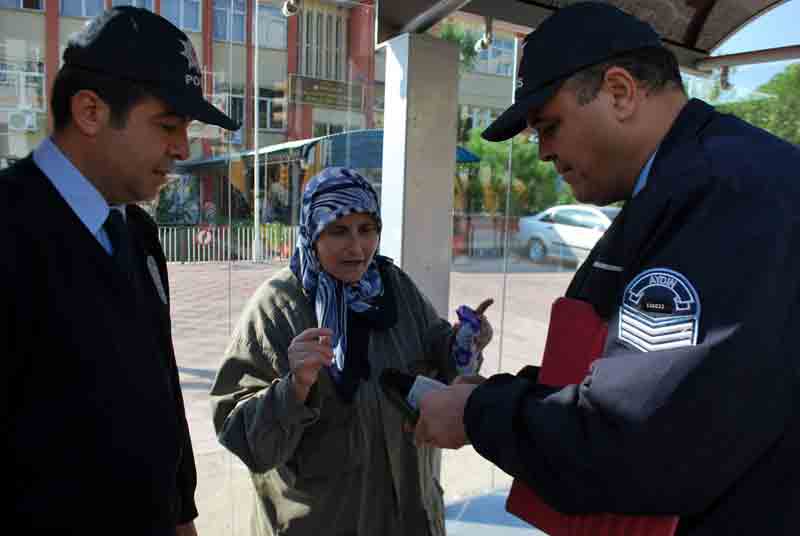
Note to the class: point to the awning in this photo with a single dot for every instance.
(357, 149)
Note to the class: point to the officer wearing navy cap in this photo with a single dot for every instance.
(95, 433)
(692, 409)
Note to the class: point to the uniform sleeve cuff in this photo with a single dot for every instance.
(489, 417)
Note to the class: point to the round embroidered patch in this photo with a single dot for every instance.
(660, 310)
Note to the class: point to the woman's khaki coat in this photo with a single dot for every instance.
(325, 467)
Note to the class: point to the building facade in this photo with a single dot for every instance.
(283, 78)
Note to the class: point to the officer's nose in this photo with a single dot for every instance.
(179, 149)
(546, 153)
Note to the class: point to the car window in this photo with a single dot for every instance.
(546, 218)
(580, 218)
(610, 211)
(564, 217)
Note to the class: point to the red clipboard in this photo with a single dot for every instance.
(576, 337)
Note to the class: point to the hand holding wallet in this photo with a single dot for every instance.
(406, 390)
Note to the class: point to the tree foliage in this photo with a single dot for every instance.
(534, 185)
(465, 39)
(779, 113)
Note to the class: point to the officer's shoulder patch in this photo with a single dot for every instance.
(660, 310)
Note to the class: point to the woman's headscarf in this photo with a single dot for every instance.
(332, 194)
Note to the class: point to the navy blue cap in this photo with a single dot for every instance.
(570, 40)
(135, 44)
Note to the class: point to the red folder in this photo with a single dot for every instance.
(575, 338)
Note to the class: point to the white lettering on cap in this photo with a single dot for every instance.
(189, 53)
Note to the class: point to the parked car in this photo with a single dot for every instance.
(564, 232)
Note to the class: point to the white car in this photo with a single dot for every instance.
(564, 232)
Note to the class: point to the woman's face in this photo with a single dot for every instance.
(346, 246)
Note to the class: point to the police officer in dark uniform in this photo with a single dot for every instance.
(95, 436)
(693, 408)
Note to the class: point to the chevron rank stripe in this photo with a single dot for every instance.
(660, 311)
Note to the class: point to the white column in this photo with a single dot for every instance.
(257, 250)
(419, 160)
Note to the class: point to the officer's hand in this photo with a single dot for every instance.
(469, 379)
(441, 417)
(308, 353)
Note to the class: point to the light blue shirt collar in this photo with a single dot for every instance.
(80, 194)
(641, 182)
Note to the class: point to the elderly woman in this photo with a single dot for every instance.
(297, 397)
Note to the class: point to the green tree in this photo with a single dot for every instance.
(779, 112)
(534, 183)
(465, 39)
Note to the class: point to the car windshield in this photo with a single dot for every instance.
(611, 212)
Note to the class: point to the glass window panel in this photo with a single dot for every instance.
(94, 7)
(220, 25)
(301, 57)
(191, 15)
(263, 114)
(34, 92)
(318, 46)
(277, 33)
(237, 29)
(277, 114)
(10, 96)
(72, 8)
(237, 109)
(339, 60)
(24, 4)
(271, 27)
(170, 9)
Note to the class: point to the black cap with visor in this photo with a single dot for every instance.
(135, 44)
(570, 40)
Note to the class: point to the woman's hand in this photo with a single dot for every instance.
(486, 332)
(308, 353)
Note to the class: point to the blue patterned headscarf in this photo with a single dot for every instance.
(332, 194)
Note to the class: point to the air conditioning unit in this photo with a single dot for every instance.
(22, 121)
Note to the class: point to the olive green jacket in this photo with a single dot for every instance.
(326, 467)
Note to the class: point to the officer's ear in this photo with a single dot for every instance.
(624, 91)
(90, 113)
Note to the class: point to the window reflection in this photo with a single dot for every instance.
(184, 14)
(82, 8)
(21, 4)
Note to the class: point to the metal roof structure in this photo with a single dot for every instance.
(693, 29)
(358, 149)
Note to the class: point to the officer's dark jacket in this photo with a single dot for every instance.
(710, 431)
(94, 435)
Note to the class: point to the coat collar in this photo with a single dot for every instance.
(679, 166)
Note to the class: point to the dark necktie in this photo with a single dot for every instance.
(117, 230)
